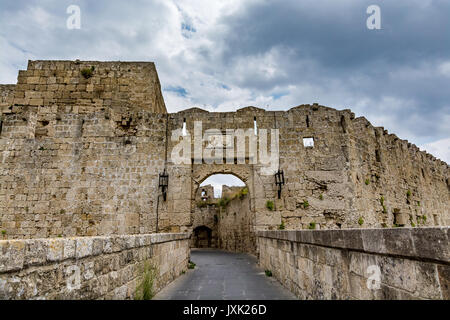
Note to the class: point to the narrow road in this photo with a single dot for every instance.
(221, 275)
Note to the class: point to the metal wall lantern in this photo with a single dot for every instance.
(279, 181)
(164, 183)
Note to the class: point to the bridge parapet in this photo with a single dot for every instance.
(399, 263)
(104, 267)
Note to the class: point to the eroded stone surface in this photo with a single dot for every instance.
(342, 270)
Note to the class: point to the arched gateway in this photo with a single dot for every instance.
(102, 159)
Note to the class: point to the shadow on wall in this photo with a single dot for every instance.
(202, 237)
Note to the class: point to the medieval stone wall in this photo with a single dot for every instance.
(69, 174)
(109, 267)
(204, 217)
(394, 182)
(118, 85)
(6, 97)
(363, 264)
(72, 165)
(236, 226)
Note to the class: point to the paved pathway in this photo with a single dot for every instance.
(221, 275)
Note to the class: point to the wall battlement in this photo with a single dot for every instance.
(77, 161)
(90, 85)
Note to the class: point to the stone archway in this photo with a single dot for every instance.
(234, 216)
(202, 238)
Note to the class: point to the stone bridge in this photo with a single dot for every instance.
(324, 264)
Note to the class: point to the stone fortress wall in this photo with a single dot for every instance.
(116, 85)
(361, 264)
(108, 267)
(81, 157)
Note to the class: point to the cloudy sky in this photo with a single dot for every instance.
(218, 180)
(223, 55)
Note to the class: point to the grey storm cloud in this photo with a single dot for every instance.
(222, 55)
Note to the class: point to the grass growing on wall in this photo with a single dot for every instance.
(269, 205)
(360, 221)
(202, 204)
(145, 288)
(305, 204)
(242, 193)
(87, 72)
(223, 202)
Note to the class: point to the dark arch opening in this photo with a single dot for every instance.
(202, 237)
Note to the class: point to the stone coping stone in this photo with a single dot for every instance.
(429, 243)
(19, 253)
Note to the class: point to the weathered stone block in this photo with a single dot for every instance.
(398, 241)
(373, 240)
(12, 254)
(353, 239)
(35, 252)
(84, 247)
(55, 249)
(431, 243)
(444, 280)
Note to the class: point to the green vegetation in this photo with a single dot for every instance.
(367, 181)
(384, 225)
(144, 289)
(321, 197)
(62, 211)
(360, 221)
(312, 226)
(384, 209)
(191, 265)
(202, 204)
(269, 205)
(281, 226)
(268, 273)
(59, 235)
(305, 204)
(41, 148)
(223, 202)
(87, 72)
(3, 232)
(408, 193)
(418, 203)
(382, 201)
(243, 193)
(422, 219)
